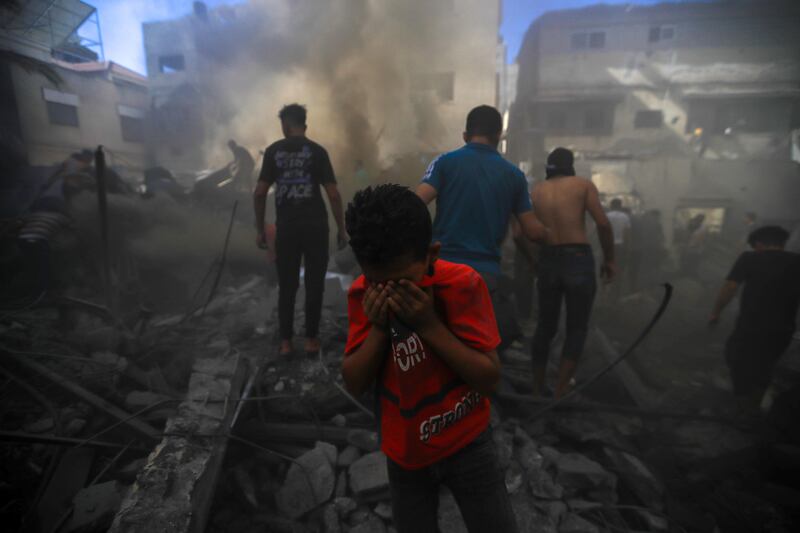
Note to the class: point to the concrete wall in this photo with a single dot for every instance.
(723, 50)
(99, 120)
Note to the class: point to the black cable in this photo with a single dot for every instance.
(653, 321)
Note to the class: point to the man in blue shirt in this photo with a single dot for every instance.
(477, 192)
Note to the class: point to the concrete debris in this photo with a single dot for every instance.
(40, 426)
(579, 473)
(348, 456)
(74, 427)
(363, 439)
(369, 474)
(529, 518)
(529, 457)
(513, 480)
(637, 477)
(554, 509)
(136, 400)
(94, 507)
(573, 523)
(345, 506)
(384, 510)
(330, 519)
(654, 522)
(330, 451)
(341, 484)
(309, 483)
(372, 524)
(542, 485)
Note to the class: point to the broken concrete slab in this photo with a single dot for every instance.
(529, 518)
(94, 507)
(369, 474)
(529, 457)
(363, 439)
(348, 456)
(648, 489)
(87, 396)
(542, 485)
(513, 479)
(345, 506)
(579, 473)
(554, 509)
(372, 524)
(330, 520)
(309, 483)
(173, 491)
(330, 451)
(384, 510)
(573, 523)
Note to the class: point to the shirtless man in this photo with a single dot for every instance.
(566, 269)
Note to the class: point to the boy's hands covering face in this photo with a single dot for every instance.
(376, 305)
(411, 304)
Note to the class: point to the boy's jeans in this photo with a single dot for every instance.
(476, 480)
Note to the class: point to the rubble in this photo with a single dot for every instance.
(309, 483)
(368, 474)
(94, 507)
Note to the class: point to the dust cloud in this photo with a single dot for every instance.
(348, 61)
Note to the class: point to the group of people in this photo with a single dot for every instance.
(422, 326)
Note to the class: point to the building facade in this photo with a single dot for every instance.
(712, 85)
(59, 97)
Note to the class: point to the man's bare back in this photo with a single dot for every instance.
(561, 203)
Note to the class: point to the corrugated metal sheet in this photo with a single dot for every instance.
(46, 23)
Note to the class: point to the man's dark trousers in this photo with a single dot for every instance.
(295, 243)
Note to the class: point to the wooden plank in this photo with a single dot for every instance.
(88, 397)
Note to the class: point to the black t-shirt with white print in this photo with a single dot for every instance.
(298, 166)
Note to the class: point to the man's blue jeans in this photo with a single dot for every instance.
(472, 474)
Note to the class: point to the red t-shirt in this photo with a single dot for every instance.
(427, 411)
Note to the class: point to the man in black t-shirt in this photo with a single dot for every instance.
(766, 321)
(297, 166)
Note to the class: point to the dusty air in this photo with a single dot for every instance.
(379, 266)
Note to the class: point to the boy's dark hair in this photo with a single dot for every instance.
(293, 115)
(387, 222)
(616, 203)
(768, 236)
(484, 120)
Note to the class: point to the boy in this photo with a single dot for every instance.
(767, 313)
(425, 330)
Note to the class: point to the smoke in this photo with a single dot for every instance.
(353, 63)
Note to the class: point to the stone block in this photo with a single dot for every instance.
(369, 474)
(309, 483)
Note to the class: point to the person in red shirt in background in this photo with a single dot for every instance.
(423, 330)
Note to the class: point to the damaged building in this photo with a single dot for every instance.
(59, 95)
(684, 107)
(142, 385)
(370, 71)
